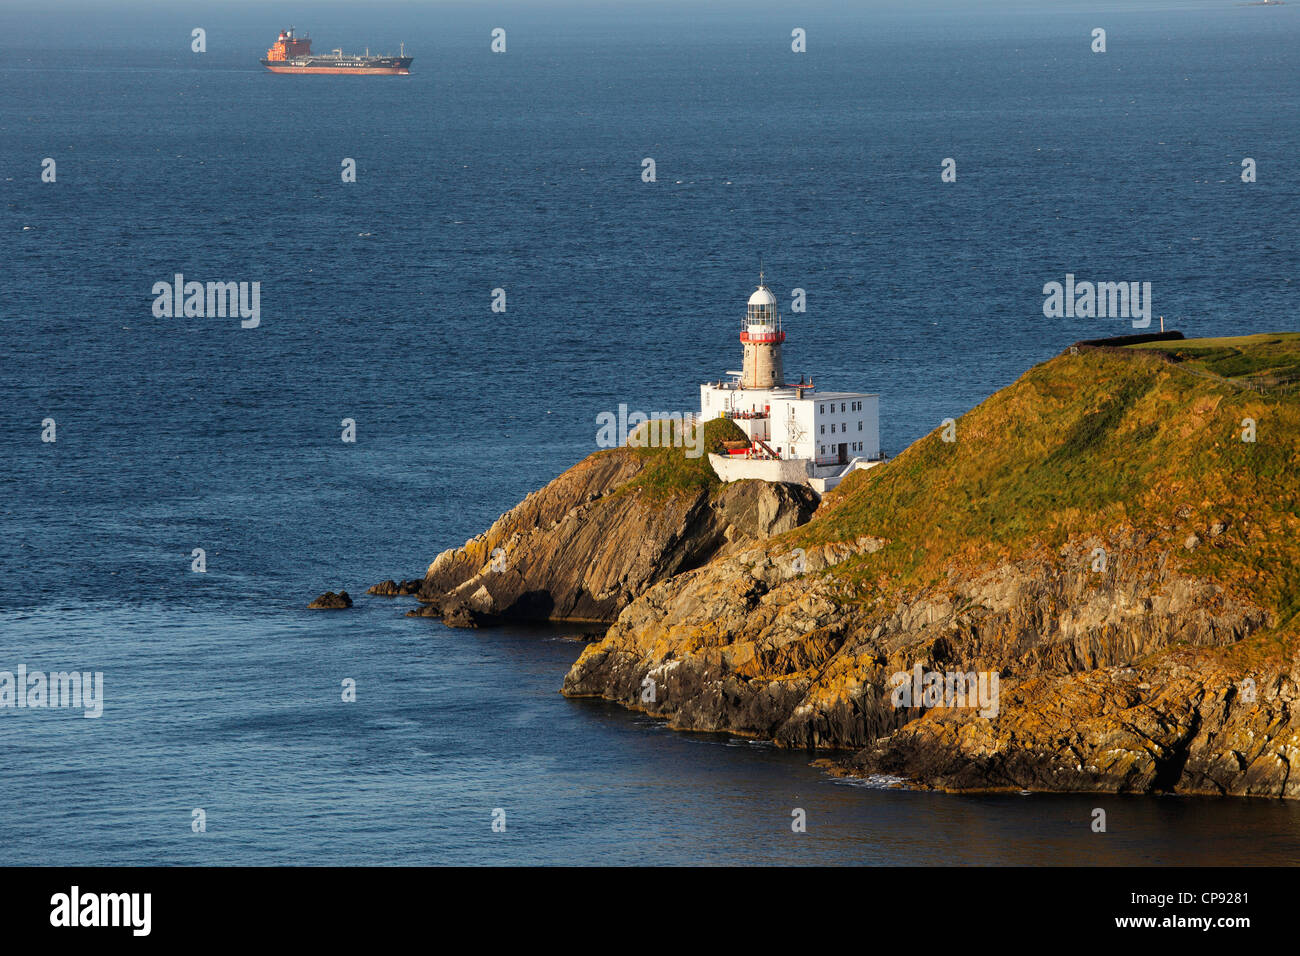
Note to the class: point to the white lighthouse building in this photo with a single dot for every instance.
(796, 433)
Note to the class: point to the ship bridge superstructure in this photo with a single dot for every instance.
(288, 45)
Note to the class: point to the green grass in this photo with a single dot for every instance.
(669, 471)
(1266, 360)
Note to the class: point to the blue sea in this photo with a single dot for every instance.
(522, 171)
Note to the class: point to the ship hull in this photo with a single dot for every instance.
(389, 66)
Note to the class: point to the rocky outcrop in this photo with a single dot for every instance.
(754, 646)
(1185, 724)
(729, 647)
(594, 539)
(329, 601)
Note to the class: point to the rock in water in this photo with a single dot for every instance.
(329, 601)
(391, 588)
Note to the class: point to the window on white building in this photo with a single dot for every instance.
(842, 406)
(832, 428)
(823, 431)
(859, 426)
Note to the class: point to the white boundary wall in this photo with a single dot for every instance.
(734, 468)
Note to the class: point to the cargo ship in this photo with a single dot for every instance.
(292, 54)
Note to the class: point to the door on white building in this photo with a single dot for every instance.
(844, 453)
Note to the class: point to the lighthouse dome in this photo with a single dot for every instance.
(762, 296)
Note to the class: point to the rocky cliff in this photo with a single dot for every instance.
(1109, 546)
(583, 547)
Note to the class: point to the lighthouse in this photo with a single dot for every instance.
(762, 336)
(795, 432)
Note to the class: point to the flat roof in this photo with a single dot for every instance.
(735, 387)
(811, 393)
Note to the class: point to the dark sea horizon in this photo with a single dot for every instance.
(522, 171)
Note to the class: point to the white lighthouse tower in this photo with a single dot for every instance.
(762, 337)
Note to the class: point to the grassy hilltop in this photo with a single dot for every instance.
(1147, 436)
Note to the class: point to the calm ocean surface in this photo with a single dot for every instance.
(522, 171)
